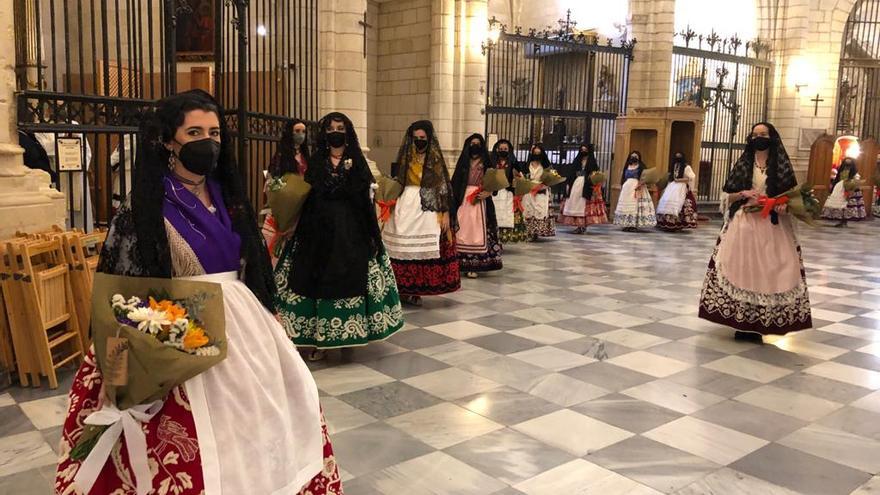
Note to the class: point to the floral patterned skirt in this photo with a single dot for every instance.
(686, 219)
(430, 277)
(483, 262)
(517, 234)
(541, 227)
(335, 323)
(595, 213)
(172, 447)
(853, 211)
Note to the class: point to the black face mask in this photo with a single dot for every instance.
(336, 139)
(475, 150)
(534, 157)
(633, 159)
(200, 157)
(299, 139)
(679, 159)
(503, 153)
(761, 143)
(420, 144)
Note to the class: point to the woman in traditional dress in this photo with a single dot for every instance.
(336, 288)
(508, 207)
(843, 205)
(536, 204)
(756, 281)
(586, 204)
(635, 208)
(876, 206)
(477, 238)
(251, 423)
(677, 209)
(291, 157)
(420, 235)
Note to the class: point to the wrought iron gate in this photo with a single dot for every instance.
(858, 93)
(557, 87)
(731, 80)
(87, 70)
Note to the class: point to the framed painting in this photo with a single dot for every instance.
(195, 31)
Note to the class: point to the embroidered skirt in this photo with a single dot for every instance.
(483, 262)
(578, 211)
(756, 280)
(840, 207)
(536, 212)
(208, 435)
(635, 209)
(348, 322)
(517, 234)
(429, 277)
(686, 215)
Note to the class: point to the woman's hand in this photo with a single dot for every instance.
(444, 222)
(780, 208)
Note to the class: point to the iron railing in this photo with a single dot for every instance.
(731, 80)
(561, 88)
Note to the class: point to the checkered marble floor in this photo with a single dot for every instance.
(582, 368)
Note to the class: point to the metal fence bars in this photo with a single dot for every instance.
(731, 80)
(86, 70)
(858, 92)
(561, 88)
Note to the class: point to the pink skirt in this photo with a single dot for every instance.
(756, 280)
(471, 236)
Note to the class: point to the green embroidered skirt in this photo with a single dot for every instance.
(334, 323)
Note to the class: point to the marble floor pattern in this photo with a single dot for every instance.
(581, 368)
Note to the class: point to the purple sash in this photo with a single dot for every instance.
(210, 235)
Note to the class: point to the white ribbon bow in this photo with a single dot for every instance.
(127, 422)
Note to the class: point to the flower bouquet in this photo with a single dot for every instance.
(654, 176)
(597, 178)
(286, 196)
(523, 186)
(388, 190)
(800, 201)
(850, 184)
(495, 180)
(150, 336)
(552, 178)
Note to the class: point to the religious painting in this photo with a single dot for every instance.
(195, 31)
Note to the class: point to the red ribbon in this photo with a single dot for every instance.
(770, 203)
(385, 209)
(472, 197)
(275, 234)
(536, 189)
(517, 204)
(597, 190)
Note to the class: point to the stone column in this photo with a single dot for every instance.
(458, 70)
(653, 25)
(26, 202)
(343, 68)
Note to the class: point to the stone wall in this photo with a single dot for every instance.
(807, 38)
(403, 84)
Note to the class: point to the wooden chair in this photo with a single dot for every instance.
(26, 362)
(44, 282)
(82, 252)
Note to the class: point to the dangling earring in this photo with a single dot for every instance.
(171, 161)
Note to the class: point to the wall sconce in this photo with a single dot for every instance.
(492, 35)
(802, 74)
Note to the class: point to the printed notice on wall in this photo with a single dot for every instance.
(69, 154)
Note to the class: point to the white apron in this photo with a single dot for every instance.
(576, 204)
(675, 193)
(504, 208)
(411, 233)
(263, 376)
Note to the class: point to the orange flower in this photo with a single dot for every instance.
(172, 311)
(195, 337)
